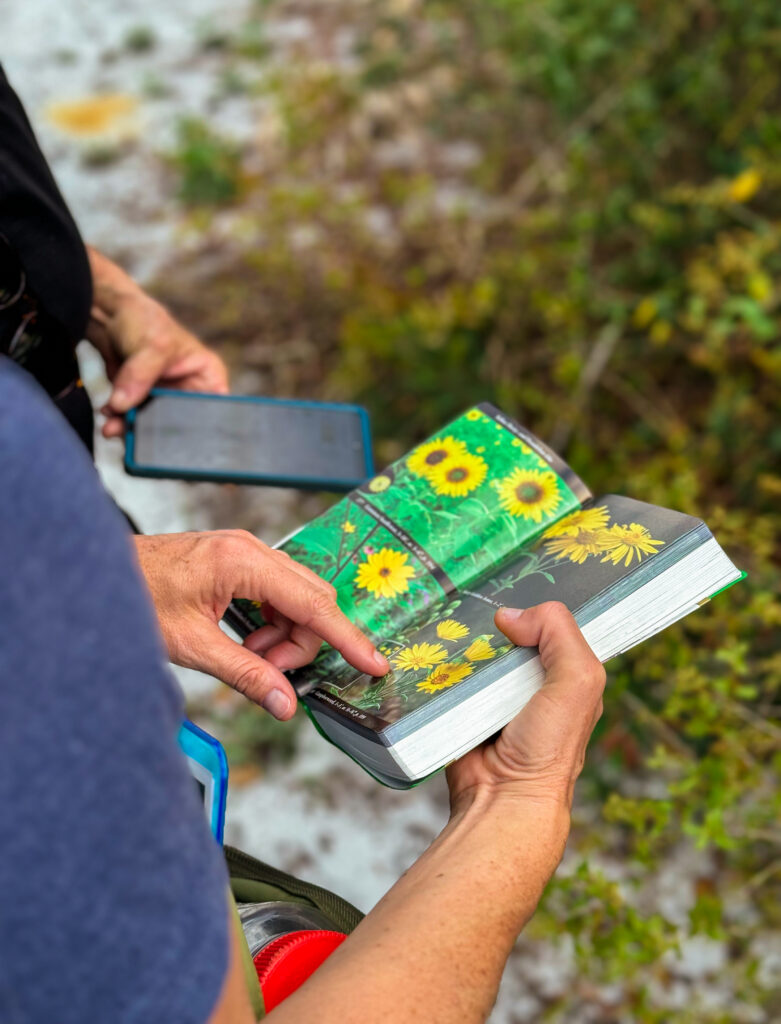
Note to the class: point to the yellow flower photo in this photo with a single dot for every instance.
(385, 573)
(449, 629)
(630, 541)
(577, 548)
(581, 519)
(474, 414)
(444, 676)
(479, 650)
(379, 484)
(419, 656)
(525, 449)
(459, 475)
(529, 493)
(433, 453)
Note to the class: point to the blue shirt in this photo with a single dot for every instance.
(112, 890)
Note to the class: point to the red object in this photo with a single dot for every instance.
(287, 962)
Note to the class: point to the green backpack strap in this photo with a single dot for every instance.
(252, 881)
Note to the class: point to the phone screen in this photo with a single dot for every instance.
(204, 434)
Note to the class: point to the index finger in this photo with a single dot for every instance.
(316, 609)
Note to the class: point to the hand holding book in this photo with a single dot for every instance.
(540, 753)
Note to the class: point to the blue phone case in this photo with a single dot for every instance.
(135, 468)
(209, 767)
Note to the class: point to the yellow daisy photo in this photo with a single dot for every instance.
(385, 573)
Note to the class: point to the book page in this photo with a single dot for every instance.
(587, 555)
(434, 521)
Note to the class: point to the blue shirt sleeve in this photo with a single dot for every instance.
(112, 890)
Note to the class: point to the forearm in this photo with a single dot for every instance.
(142, 344)
(434, 948)
(111, 289)
(110, 283)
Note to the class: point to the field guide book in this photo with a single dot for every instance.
(481, 515)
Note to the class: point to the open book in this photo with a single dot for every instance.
(481, 515)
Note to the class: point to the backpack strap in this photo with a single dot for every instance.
(253, 881)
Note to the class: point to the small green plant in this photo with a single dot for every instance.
(251, 737)
(140, 39)
(154, 87)
(209, 166)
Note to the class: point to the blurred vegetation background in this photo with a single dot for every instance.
(572, 209)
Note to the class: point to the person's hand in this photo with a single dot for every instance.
(142, 345)
(539, 755)
(193, 577)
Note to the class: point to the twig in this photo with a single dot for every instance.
(762, 876)
(593, 368)
(764, 835)
(759, 723)
(670, 737)
(645, 408)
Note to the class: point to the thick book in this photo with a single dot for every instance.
(481, 515)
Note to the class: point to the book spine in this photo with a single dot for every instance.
(335, 707)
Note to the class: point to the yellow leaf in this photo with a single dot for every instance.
(660, 332)
(112, 113)
(746, 185)
(760, 287)
(645, 312)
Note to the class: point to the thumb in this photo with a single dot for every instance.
(135, 378)
(571, 667)
(246, 672)
(574, 676)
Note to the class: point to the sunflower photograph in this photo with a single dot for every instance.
(432, 454)
(529, 493)
(459, 475)
(385, 573)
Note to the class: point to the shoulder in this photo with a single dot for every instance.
(40, 455)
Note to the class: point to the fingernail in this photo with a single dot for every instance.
(120, 398)
(277, 703)
(511, 614)
(381, 661)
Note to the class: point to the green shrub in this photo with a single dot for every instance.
(209, 166)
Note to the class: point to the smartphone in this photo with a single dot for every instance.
(238, 439)
(209, 768)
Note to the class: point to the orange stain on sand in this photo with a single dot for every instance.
(109, 114)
